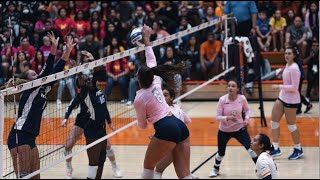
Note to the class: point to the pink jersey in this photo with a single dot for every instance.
(150, 104)
(228, 108)
(180, 114)
(289, 91)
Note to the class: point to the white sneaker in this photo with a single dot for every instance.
(194, 176)
(117, 173)
(157, 175)
(69, 173)
(214, 173)
(129, 103)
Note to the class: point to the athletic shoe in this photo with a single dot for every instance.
(275, 153)
(157, 175)
(296, 154)
(116, 172)
(214, 172)
(69, 173)
(308, 108)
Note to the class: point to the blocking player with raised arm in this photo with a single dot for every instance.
(22, 137)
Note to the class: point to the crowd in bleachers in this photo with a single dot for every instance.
(103, 28)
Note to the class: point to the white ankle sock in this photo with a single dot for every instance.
(297, 146)
(275, 145)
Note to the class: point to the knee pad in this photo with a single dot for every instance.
(274, 125)
(147, 174)
(292, 128)
(92, 172)
(218, 157)
(252, 153)
(66, 153)
(110, 152)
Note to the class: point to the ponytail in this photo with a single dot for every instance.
(265, 140)
(166, 72)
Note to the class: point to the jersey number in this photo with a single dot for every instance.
(158, 96)
(102, 100)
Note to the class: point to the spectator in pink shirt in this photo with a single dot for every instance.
(232, 123)
(172, 135)
(46, 48)
(170, 95)
(287, 103)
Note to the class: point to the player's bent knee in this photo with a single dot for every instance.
(292, 128)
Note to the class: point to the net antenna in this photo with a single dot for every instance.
(14, 96)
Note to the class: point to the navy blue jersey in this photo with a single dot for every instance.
(92, 102)
(34, 101)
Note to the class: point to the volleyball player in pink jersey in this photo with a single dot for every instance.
(232, 124)
(170, 95)
(287, 103)
(171, 134)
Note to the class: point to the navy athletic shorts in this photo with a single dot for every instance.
(24, 138)
(172, 129)
(288, 105)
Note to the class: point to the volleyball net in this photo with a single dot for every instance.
(52, 138)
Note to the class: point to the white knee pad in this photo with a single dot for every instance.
(66, 153)
(292, 128)
(147, 174)
(274, 125)
(110, 152)
(252, 153)
(92, 172)
(218, 157)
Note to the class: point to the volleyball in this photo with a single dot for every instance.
(136, 36)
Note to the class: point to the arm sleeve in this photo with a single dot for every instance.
(295, 79)
(220, 116)
(72, 105)
(108, 118)
(141, 114)
(150, 57)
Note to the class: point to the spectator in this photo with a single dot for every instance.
(312, 21)
(53, 9)
(169, 15)
(8, 56)
(218, 11)
(267, 6)
(69, 81)
(183, 25)
(139, 17)
(19, 66)
(71, 9)
(152, 17)
(296, 34)
(94, 6)
(28, 49)
(209, 55)
(118, 72)
(287, 6)
(38, 63)
(27, 18)
(192, 55)
(278, 25)
(312, 60)
(157, 28)
(82, 6)
(105, 8)
(46, 48)
(23, 33)
(126, 11)
(49, 28)
(114, 45)
(63, 23)
(263, 30)
(246, 14)
(80, 26)
(98, 33)
(134, 65)
(290, 17)
(112, 32)
(113, 19)
(39, 26)
(209, 17)
(184, 12)
(12, 14)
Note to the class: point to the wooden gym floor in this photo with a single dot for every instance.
(130, 146)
